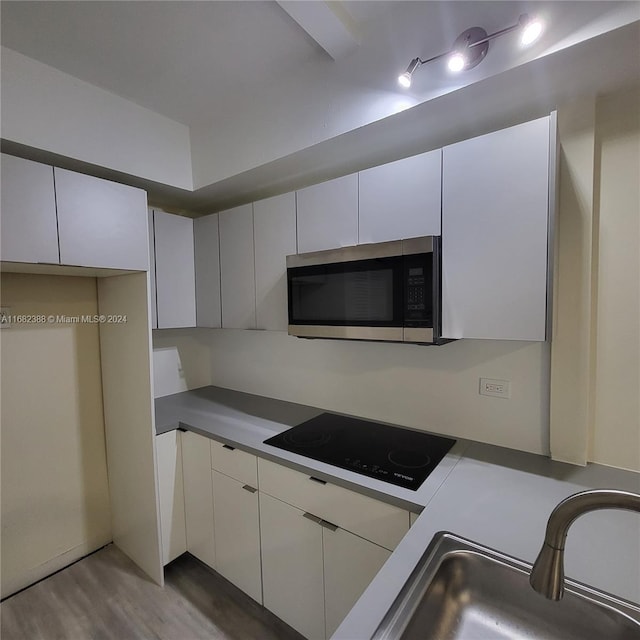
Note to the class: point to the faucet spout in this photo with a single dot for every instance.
(547, 575)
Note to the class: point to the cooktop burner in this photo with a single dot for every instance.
(400, 456)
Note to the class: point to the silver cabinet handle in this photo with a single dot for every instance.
(310, 516)
(323, 523)
(328, 525)
(249, 488)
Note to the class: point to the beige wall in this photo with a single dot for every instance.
(595, 371)
(181, 360)
(615, 432)
(432, 388)
(55, 501)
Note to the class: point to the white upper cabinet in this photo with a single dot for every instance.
(175, 274)
(101, 223)
(237, 274)
(494, 234)
(152, 272)
(401, 199)
(328, 215)
(28, 210)
(207, 264)
(274, 228)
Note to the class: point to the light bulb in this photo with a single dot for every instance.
(404, 80)
(531, 32)
(456, 62)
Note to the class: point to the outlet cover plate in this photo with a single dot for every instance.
(495, 388)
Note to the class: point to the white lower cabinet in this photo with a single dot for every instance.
(292, 567)
(171, 495)
(304, 548)
(350, 564)
(198, 497)
(237, 534)
(315, 569)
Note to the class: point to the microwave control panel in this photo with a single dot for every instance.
(417, 289)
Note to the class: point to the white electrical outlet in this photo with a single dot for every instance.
(496, 388)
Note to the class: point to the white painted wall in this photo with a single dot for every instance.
(53, 111)
(431, 388)
(615, 437)
(181, 360)
(55, 495)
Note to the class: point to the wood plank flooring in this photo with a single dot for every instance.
(105, 596)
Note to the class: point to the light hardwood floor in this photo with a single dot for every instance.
(105, 596)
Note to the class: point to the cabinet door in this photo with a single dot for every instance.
(350, 564)
(494, 234)
(207, 265)
(198, 497)
(171, 495)
(175, 275)
(274, 226)
(237, 534)
(152, 271)
(28, 212)
(328, 215)
(101, 223)
(378, 521)
(401, 199)
(292, 571)
(237, 273)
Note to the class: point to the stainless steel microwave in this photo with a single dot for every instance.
(388, 291)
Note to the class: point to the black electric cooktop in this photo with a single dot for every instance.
(400, 456)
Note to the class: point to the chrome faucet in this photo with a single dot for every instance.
(547, 575)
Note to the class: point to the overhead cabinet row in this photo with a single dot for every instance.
(229, 269)
(223, 270)
(488, 197)
(54, 216)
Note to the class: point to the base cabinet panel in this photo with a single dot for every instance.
(292, 567)
(350, 564)
(171, 493)
(198, 497)
(237, 534)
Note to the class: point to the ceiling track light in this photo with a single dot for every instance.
(472, 45)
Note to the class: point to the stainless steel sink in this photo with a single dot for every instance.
(464, 590)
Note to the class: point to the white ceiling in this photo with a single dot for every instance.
(195, 61)
(182, 59)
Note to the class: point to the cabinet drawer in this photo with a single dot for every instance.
(371, 519)
(234, 463)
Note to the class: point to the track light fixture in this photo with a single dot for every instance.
(471, 46)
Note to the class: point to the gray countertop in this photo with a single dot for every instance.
(245, 420)
(494, 496)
